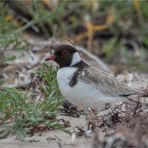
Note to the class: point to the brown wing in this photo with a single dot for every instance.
(106, 83)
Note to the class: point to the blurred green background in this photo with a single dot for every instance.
(115, 31)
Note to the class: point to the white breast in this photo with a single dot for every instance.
(81, 94)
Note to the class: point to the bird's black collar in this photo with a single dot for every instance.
(80, 65)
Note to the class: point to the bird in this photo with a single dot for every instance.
(83, 85)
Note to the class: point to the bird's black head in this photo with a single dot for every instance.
(65, 55)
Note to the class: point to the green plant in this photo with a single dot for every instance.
(48, 73)
(21, 116)
(8, 38)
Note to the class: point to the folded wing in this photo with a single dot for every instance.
(106, 83)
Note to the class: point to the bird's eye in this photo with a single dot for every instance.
(64, 53)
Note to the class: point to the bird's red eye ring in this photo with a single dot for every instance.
(64, 52)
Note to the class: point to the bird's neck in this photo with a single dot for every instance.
(75, 59)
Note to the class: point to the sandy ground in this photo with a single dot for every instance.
(55, 139)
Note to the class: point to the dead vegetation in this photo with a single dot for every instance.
(124, 128)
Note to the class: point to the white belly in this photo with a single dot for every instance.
(81, 94)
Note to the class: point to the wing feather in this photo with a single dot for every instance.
(105, 82)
